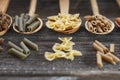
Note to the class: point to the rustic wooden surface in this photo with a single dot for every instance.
(36, 65)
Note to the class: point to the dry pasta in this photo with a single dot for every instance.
(76, 53)
(49, 56)
(112, 48)
(99, 23)
(62, 47)
(63, 22)
(116, 59)
(99, 60)
(60, 54)
(69, 56)
(63, 50)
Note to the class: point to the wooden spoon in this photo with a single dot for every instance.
(64, 9)
(96, 12)
(32, 10)
(117, 20)
(3, 7)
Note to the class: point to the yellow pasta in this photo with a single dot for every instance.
(62, 47)
(65, 39)
(63, 50)
(60, 54)
(69, 56)
(63, 22)
(49, 56)
(76, 53)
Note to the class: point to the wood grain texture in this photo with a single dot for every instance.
(36, 64)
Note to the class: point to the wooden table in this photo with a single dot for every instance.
(83, 67)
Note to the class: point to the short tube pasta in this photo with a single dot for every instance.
(98, 48)
(99, 60)
(112, 48)
(12, 45)
(17, 53)
(107, 58)
(30, 44)
(25, 48)
(116, 59)
(102, 46)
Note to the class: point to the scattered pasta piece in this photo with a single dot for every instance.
(76, 53)
(65, 39)
(63, 50)
(104, 53)
(69, 56)
(60, 54)
(49, 56)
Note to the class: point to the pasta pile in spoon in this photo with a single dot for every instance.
(63, 22)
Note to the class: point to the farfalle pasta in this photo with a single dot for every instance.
(49, 56)
(63, 22)
(63, 50)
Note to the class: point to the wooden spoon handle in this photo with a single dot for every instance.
(94, 7)
(1, 4)
(4, 5)
(64, 6)
(118, 1)
(32, 9)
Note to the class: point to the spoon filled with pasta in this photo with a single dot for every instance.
(117, 20)
(98, 24)
(5, 19)
(28, 23)
(64, 22)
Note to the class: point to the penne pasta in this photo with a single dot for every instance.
(99, 60)
(107, 58)
(98, 48)
(32, 19)
(90, 27)
(102, 46)
(12, 45)
(116, 59)
(17, 53)
(25, 48)
(33, 26)
(30, 44)
(112, 48)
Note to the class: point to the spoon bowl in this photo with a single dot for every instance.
(112, 27)
(95, 10)
(70, 31)
(36, 30)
